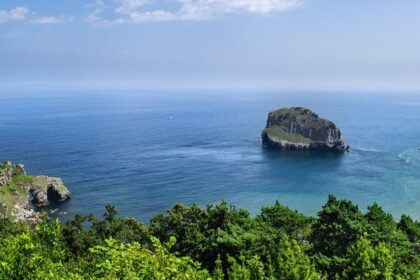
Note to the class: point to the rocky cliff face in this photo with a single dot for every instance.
(15, 187)
(8, 170)
(44, 189)
(299, 128)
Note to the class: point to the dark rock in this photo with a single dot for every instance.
(299, 128)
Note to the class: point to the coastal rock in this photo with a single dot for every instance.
(15, 187)
(44, 189)
(298, 128)
(8, 170)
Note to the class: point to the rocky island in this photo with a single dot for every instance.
(299, 128)
(16, 187)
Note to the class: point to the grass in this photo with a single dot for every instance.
(7, 165)
(39, 180)
(278, 134)
(43, 181)
(16, 192)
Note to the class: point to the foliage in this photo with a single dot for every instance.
(410, 228)
(218, 231)
(36, 254)
(292, 223)
(9, 228)
(292, 263)
(115, 260)
(218, 242)
(84, 232)
(368, 262)
(340, 223)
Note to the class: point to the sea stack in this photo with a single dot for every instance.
(45, 189)
(299, 128)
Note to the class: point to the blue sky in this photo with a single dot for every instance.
(210, 44)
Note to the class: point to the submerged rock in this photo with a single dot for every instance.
(44, 189)
(298, 128)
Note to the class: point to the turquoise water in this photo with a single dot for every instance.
(145, 151)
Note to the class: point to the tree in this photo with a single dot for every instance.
(191, 242)
(410, 228)
(10, 228)
(292, 263)
(83, 232)
(115, 260)
(187, 224)
(218, 231)
(380, 225)
(292, 223)
(339, 225)
(35, 254)
(368, 262)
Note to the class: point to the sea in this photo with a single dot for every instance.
(145, 151)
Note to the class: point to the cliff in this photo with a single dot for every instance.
(16, 187)
(298, 128)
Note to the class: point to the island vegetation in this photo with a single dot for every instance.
(216, 242)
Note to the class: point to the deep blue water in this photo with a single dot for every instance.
(144, 152)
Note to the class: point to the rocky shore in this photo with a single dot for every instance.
(19, 192)
(299, 128)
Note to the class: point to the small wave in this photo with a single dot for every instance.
(221, 155)
(361, 149)
(402, 155)
(411, 157)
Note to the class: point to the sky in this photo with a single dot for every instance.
(210, 44)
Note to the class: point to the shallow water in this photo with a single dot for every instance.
(145, 151)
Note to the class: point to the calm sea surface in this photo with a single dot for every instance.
(146, 151)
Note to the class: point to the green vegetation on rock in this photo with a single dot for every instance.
(13, 189)
(278, 134)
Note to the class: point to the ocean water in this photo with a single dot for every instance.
(146, 151)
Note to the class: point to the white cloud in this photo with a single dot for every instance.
(127, 6)
(157, 15)
(108, 12)
(25, 14)
(15, 14)
(134, 11)
(48, 20)
(212, 7)
(96, 10)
